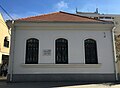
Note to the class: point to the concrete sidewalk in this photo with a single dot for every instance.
(2, 78)
(3, 84)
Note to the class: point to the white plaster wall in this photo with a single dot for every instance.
(76, 55)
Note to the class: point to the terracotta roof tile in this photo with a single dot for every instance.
(60, 17)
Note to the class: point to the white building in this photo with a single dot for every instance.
(107, 17)
(61, 47)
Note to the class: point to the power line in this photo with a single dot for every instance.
(6, 12)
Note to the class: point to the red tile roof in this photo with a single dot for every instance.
(60, 17)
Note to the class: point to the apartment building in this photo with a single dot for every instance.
(4, 41)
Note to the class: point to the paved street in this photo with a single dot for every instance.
(3, 84)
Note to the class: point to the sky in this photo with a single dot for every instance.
(25, 8)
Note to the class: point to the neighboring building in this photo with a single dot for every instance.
(4, 41)
(61, 47)
(107, 17)
(97, 15)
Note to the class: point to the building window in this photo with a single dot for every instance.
(5, 59)
(32, 49)
(6, 42)
(90, 51)
(96, 18)
(108, 17)
(101, 17)
(112, 17)
(61, 51)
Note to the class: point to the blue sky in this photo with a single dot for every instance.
(25, 8)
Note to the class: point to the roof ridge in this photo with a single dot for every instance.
(84, 16)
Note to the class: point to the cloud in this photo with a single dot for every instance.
(61, 5)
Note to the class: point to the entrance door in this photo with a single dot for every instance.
(4, 67)
(61, 51)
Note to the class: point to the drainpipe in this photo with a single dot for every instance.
(114, 53)
(12, 51)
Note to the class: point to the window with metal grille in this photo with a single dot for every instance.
(6, 42)
(90, 51)
(61, 51)
(32, 49)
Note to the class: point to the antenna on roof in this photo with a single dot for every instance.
(96, 10)
(76, 10)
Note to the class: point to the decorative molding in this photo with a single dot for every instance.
(80, 26)
(61, 65)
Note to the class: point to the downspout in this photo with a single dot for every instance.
(12, 52)
(114, 53)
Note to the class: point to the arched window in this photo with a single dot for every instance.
(6, 42)
(32, 49)
(90, 51)
(61, 51)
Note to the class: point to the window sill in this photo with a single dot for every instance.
(6, 47)
(61, 65)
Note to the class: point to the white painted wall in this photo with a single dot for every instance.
(76, 57)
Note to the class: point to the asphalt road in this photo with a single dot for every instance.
(3, 84)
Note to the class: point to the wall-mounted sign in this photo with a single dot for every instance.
(47, 52)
